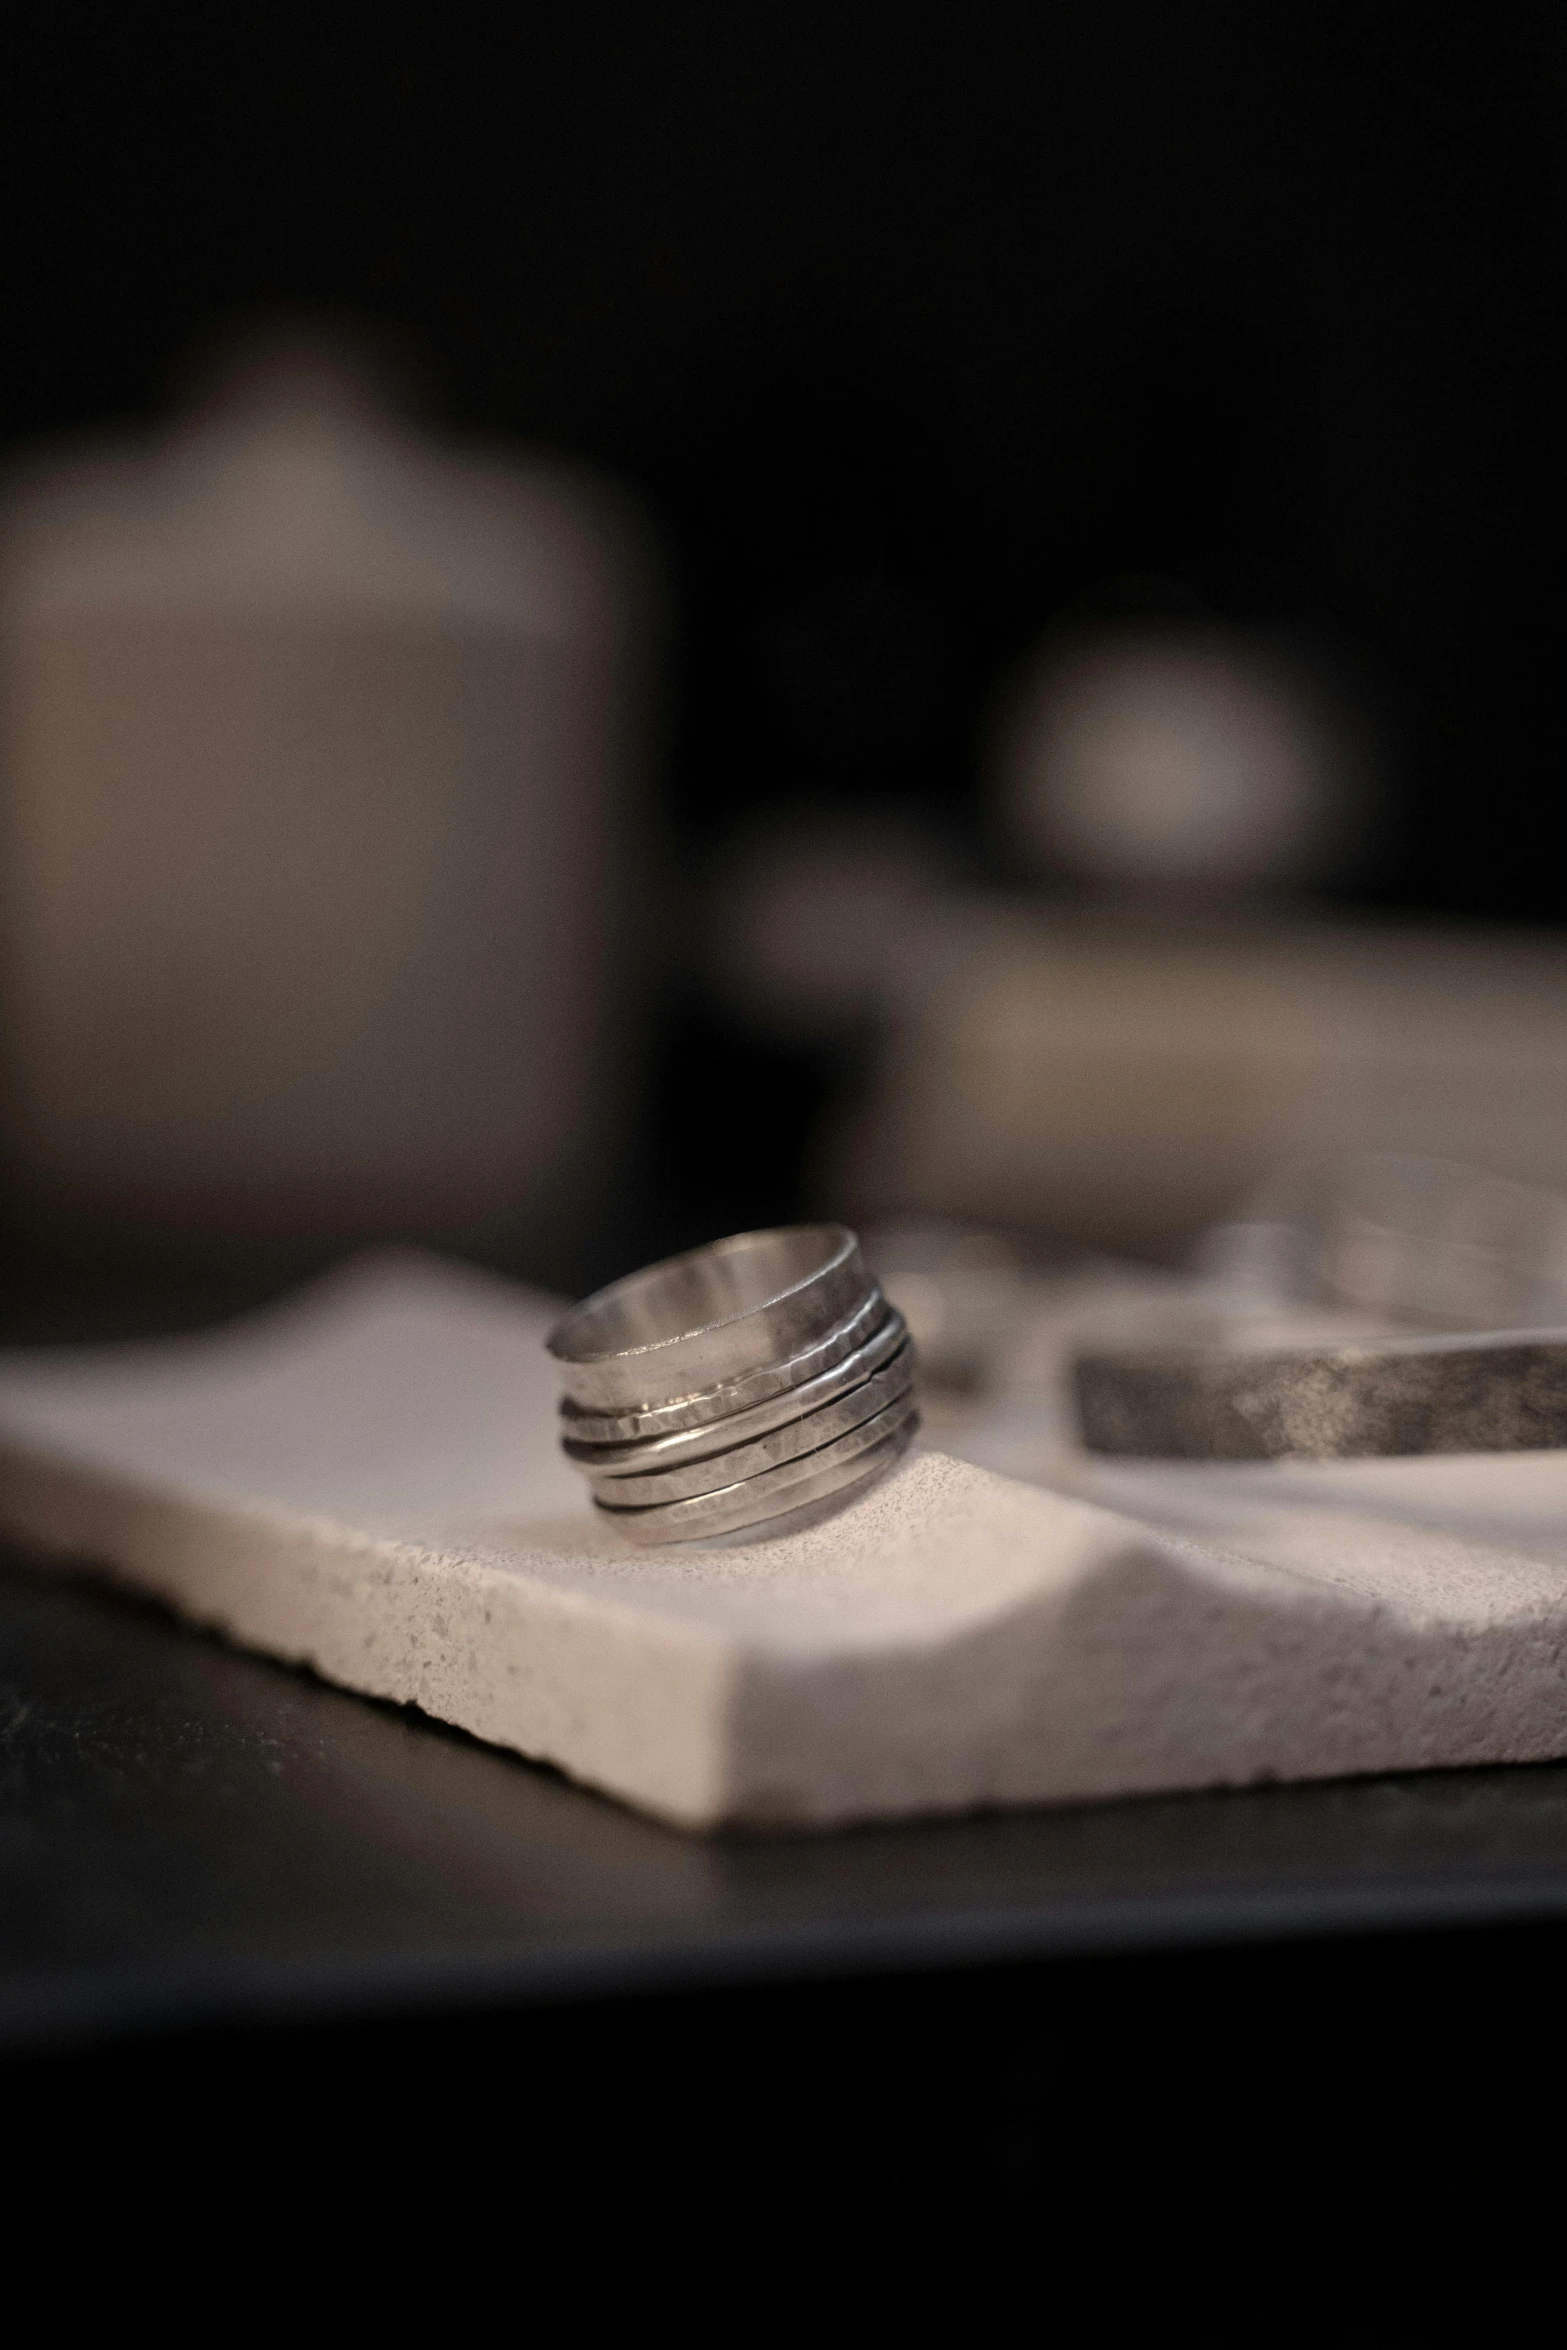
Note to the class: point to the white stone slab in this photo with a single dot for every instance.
(366, 1481)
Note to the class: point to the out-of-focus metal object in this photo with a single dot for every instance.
(1000, 1324)
(1411, 1239)
(323, 766)
(1401, 1239)
(1457, 1394)
(735, 1384)
(1434, 1241)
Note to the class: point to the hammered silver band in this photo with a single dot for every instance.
(839, 1468)
(735, 1384)
(715, 1403)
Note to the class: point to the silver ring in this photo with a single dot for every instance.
(714, 1403)
(685, 1479)
(735, 1384)
(855, 1458)
(723, 1431)
(708, 1316)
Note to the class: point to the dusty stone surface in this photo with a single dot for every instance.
(367, 1481)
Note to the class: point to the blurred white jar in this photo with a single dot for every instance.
(323, 767)
(1177, 761)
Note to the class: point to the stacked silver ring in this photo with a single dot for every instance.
(735, 1384)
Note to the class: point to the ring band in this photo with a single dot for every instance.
(721, 1434)
(796, 1437)
(715, 1403)
(854, 1458)
(709, 1316)
(735, 1384)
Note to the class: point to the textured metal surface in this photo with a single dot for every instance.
(1406, 1396)
(824, 1404)
(839, 1468)
(699, 1444)
(809, 1433)
(757, 1388)
(718, 1313)
(186, 1832)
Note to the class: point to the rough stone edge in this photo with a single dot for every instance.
(560, 1682)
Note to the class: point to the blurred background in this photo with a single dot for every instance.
(617, 624)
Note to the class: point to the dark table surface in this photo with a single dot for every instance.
(187, 1832)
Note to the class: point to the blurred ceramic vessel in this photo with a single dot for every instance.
(324, 754)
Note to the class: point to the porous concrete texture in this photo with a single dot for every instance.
(366, 1481)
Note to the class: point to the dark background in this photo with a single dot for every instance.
(915, 327)
(915, 324)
